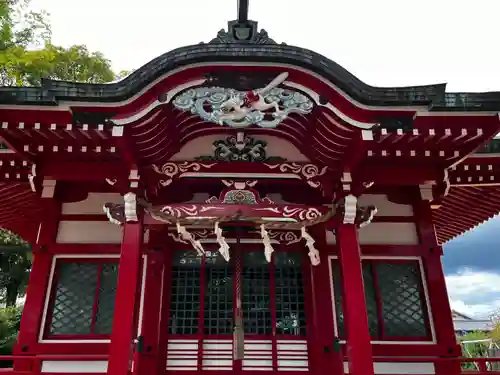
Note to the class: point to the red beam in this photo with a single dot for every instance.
(83, 171)
(403, 174)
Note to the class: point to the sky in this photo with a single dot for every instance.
(383, 42)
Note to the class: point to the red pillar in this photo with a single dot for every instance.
(322, 338)
(165, 306)
(38, 285)
(359, 349)
(151, 314)
(436, 286)
(127, 299)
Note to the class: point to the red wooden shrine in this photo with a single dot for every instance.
(242, 206)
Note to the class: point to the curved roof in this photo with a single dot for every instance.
(256, 47)
(243, 43)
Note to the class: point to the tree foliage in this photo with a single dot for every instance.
(27, 54)
(10, 320)
(15, 265)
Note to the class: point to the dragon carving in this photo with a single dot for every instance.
(265, 107)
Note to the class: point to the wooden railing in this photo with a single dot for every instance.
(483, 365)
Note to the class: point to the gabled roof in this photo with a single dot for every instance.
(257, 47)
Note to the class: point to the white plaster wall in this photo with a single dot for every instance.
(92, 205)
(75, 366)
(384, 234)
(384, 206)
(204, 146)
(91, 232)
(102, 232)
(387, 368)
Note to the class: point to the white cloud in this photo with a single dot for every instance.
(474, 293)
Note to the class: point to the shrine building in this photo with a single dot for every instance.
(242, 206)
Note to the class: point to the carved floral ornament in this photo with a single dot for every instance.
(310, 173)
(266, 215)
(265, 107)
(240, 148)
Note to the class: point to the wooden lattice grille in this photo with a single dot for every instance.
(83, 298)
(395, 300)
(203, 304)
(206, 285)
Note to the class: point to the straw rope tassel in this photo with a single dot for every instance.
(268, 248)
(313, 252)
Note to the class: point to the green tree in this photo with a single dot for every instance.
(15, 265)
(27, 55)
(10, 320)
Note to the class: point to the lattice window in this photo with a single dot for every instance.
(370, 296)
(185, 294)
(256, 294)
(394, 300)
(218, 309)
(83, 298)
(371, 300)
(106, 299)
(289, 291)
(400, 290)
(338, 292)
(207, 285)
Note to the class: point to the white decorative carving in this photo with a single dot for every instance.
(268, 248)
(173, 169)
(240, 184)
(189, 237)
(130, 207)
(369, 218)
(111, 181)
(240, 109)
(223, 246)
(350, 209)
(31, 178)
(426, 192)
(200, 233)
(308, 172)
(110, 217)
(313, 252)
(309, 213)
(446, 182)
(286, 237)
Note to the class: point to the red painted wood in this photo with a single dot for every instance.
(33, 307)
(322, 334)
(359, 348)
(151, 314)
(436, 286)
(167, 247)
(84, 249)
(127, 298)
(38, 285)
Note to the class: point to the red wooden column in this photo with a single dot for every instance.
(359, 348)
(127, 299)
(148, 357)
(436, 286)
(322, 338)
(38, 286)
(165, 307)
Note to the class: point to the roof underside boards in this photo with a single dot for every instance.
(464, 208)
(20, 209)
